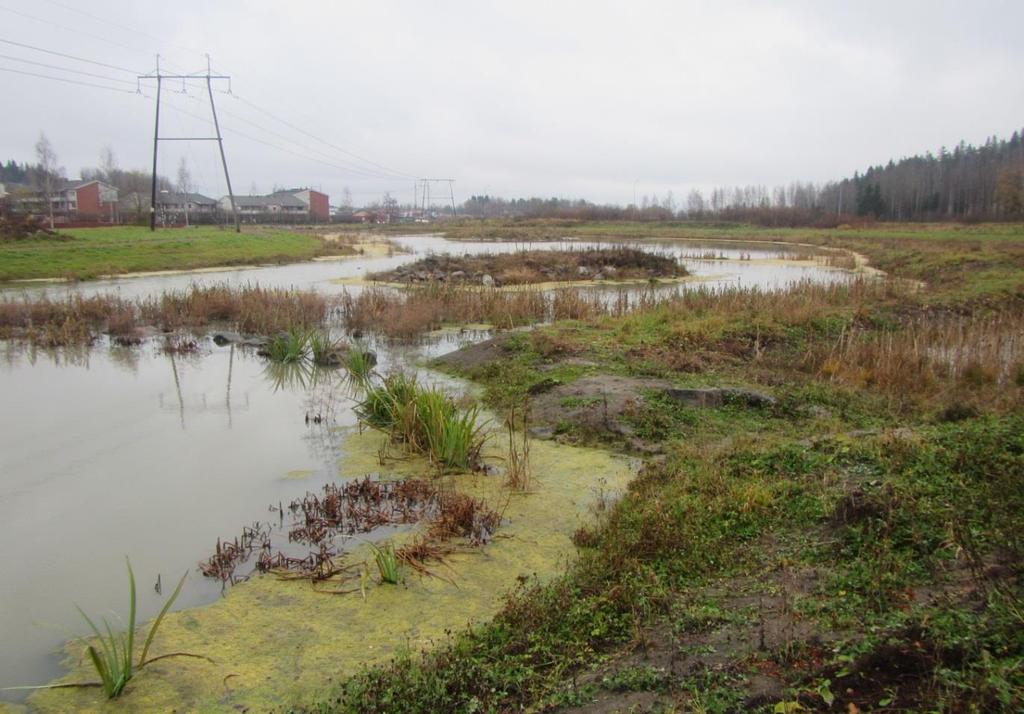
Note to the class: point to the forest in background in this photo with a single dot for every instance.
(968, 183)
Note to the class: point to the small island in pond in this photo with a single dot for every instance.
(528, 267)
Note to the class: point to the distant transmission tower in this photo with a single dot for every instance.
(159, 77)
(427, 199)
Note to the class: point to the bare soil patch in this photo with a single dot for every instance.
(472, 357)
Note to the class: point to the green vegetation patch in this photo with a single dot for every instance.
(93, 252)
(711, 520)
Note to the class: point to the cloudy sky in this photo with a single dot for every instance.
(575, 99)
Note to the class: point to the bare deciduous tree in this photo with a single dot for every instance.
(48, 175)
(695, 202)
(184, 185)
(108, 163)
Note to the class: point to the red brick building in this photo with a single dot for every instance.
(319, 204)
(71, 200)
(300, 204)
(95, 201)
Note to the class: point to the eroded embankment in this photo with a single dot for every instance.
(276, 643)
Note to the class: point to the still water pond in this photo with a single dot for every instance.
(111, 451)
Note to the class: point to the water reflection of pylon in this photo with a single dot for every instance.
(203, 405)
(177, 387)
(227, 399)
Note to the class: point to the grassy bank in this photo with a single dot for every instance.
(841, 534)
(970, 260)
(86, 253)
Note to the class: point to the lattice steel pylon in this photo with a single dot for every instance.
(209, 77)
(426, 199)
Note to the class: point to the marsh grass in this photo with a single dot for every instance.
(251, 309)
(49, 322)
(460, 515)
(976, 350)
(359, 363)
(517, 464)
(323, 348)
(292, 346)
(388, 563)
(113, 654)
(425, 420)
(408, 314)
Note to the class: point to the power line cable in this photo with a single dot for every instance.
(135, 30)
(75, 30)
(270, 114)
(347, 166)
(64, 79)
(67, 69)
(67, 56)
(83, 33)
(387, 169)
(271, 145)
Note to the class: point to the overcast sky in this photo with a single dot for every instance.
(517, 98)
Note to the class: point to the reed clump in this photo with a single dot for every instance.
(76, 319)
(425, 420)
(112, 654)
(517, 464)
(251, 309)
(290, 347)
(975, 350)
(388, 563)
(408, 314)
(359, 363)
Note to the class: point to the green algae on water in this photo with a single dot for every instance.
(276, 643)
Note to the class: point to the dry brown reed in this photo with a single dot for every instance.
(517, 464)
(409, 313)
(462, 516)
(48, 322)
(73, 320)
(251, 309)
(403, 314)
(974, 349)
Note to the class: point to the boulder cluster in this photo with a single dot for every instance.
(431, 270)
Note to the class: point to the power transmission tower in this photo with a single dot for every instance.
(426, 199)
(209, 77)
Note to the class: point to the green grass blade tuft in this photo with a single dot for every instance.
(159, 618)
(130, 644)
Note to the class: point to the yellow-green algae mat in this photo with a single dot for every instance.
(276, 643)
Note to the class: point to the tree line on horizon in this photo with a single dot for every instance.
(967, 183)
